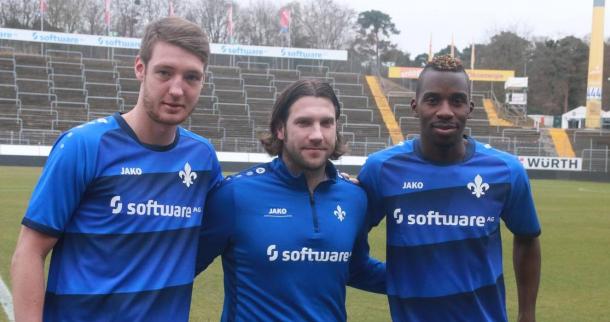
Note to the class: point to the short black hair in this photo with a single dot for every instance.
(442, 63)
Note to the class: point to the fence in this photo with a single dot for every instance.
(595, 160)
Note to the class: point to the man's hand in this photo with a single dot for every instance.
(347, 176)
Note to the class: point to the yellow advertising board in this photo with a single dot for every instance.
(490, 75)
(596, 68)
(483, 75)
(404, 72)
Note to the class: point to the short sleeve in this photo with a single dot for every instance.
(216, 177)
(368, 178)
(217, 226)
(63, 182)
(519, 213)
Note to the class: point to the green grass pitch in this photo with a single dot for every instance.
(575, 240)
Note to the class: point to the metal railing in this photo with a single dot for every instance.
(595, 160)
(357, 76)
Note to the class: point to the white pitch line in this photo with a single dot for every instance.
(581, 189)
(7, 301)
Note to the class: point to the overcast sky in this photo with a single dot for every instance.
(477, 20)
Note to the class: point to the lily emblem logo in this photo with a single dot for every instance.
(339, 213)
(187, 175)
(478, 187)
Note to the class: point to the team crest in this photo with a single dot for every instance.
(339, 213)
(187, 175)
(478, 187)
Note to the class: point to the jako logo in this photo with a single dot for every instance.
(278, 211)
(306, 254)
(412, 185)
(131, 171)
(434, 218)
(152, 208)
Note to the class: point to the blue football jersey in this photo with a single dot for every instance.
(127, 217)
(444, 254)
(287, 254)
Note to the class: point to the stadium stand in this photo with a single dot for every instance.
(44, 95)
(593, 146)
(562, 143)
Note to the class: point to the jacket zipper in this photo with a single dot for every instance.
(314, 214)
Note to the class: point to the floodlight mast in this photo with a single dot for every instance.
(596, 67)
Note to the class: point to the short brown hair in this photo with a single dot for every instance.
(178, 32)
(281, 110)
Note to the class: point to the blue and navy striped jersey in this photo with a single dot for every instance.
(127, 217)
(444, 255)
(288, 255)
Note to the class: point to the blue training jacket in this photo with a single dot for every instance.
(288, 254)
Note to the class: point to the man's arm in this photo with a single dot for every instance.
(217, 226)
(27, 273)
(366, 273)
(526, 262)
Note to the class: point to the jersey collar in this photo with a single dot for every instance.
(470, 149)
(280, 168)
(123, 124)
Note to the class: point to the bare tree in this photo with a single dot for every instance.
(211, 15)
(150, 10)
(154, 9)
(19, 13)
(93, 17)
(258, 24)
(126, 18)
(63, 15)
(325, 24)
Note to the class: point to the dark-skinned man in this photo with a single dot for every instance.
(444, 195)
